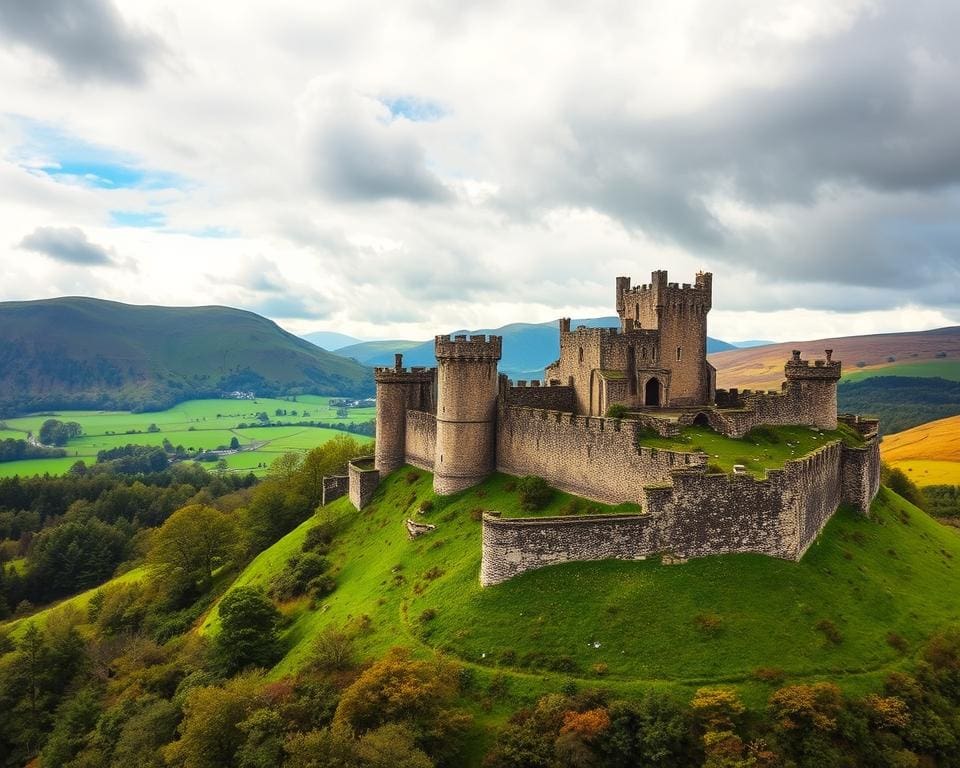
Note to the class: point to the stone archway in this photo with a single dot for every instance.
(701, 420)
(653, 393)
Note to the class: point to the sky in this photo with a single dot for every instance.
(396, 170)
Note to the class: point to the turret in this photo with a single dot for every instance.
(816, 387)
(399, 390)
(467, 384)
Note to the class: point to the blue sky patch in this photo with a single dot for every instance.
(414, 109)
(68, 159)
(138, 218)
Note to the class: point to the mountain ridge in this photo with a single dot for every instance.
(81, 352)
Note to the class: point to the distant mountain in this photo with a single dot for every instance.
(762, 367)
(330, 340)
(86, 353)
(748, 344)
(527, 347)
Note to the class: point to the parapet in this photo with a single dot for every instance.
(400, 375)
(822, 370)
(477, 347)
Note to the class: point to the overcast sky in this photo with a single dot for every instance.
(393, 170)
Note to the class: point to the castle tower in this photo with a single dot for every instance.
(467, 385)
(814, 387)
(399, 390)
(680, 314)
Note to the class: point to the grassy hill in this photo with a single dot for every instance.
(87, 353)
(929, 454)
(901, 402)
(527, 347)
(762, 367)
(858, 604)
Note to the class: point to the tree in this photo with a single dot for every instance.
(192, 542)
(234, 443)
(328, 459)
(534, 493)
(248, 631)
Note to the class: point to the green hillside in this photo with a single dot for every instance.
(858, 604)
(86, 353)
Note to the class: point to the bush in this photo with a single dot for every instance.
(535, 493)
(426, 506)
(830, 631)
(303, 573)
(333, 649)
(616, 411)
(714, 469)
(318, 539)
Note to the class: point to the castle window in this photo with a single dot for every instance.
(638, 312)
(581, 354)
(678, 354)
(643, 352)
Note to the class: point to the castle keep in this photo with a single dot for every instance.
(461, 421)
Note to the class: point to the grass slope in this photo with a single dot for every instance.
(896, 572)
(929, 454)
(82, 352)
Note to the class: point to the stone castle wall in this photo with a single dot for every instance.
(363, 480)
(698, 515)
(334, 487)
(421, 442)
(554, 398)
(589, 456)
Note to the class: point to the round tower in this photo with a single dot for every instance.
(398, 390)
(467, 388)
(814, 389)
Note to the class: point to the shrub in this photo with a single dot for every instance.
(763, 435)
(476, 514)
(708, 623)
(769, 674)
(426, 506)
(428, 614)
(600, 669)
(830, 631)
(301, 574)
(412, 476)
(897, 642)
(535, 493)
(616, 411)
(714, 469)
(333, 649)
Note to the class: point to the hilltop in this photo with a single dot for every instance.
(713, 619)
(80, 352)
(527, 347)
(762, 367)
(929, 454)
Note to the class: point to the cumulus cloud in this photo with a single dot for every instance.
(358, 150)
(87, 39)
(68, 245)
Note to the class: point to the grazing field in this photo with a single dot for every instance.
(196, 425)
(929, 454)
(944, 369)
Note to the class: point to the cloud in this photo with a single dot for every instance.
(68, 245)
(87, 39)
(356, 151)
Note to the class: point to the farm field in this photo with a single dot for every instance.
(195, 425)
(944, 369)
(929, 454)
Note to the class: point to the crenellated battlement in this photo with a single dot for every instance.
(821, 370)
(463, 347)
(397, 374)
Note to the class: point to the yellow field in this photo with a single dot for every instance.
(929, 454)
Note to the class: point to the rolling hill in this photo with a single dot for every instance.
(331, 340)
(762, 367)
(80, 352)
(929, 453)
(527, 347)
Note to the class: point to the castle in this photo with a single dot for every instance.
(462, 421)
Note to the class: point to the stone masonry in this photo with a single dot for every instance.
(462, 420)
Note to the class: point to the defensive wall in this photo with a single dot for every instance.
(363, 479)
(421, 439)
(589, 456)
(698, 514)
(334, 487)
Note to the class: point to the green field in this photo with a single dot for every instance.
(196, 425)
(767, 448)
(944, 369)
(896, 572)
